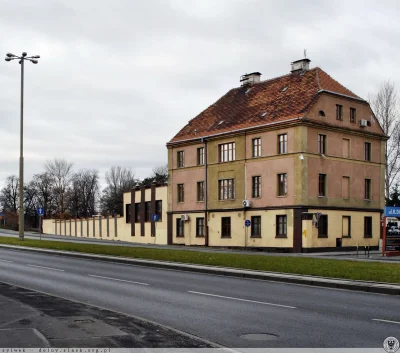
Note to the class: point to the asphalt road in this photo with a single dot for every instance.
(220, 309)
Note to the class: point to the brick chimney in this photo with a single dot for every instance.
(250, 79)
(300, 65)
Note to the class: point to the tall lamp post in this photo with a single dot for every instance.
(32, 59)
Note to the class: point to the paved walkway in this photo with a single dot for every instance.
(339, 255)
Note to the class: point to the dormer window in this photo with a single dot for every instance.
(321, 113)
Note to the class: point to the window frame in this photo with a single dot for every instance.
(227, 152)
(200, 191)
(227, 227)
(256, 147)
(367, 151)
(230, 186)
(368, 227)
(322, 144)
(282, 144)
(256, 186)
(180, 228)
(339, 112)
(147, 211)
(323, 226)
(281, 225)
(128, 213)
(180, 163)
(367, 189)
(200, 156)
(159, 209)
(137, 212)
(348, 187)
(353, 115)
(180, 193)
(282, 185)
(323, 181)
(200, 226)
(255, 231)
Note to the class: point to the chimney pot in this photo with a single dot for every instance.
(300, 65)
(250, 79)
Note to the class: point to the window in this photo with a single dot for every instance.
(200, 156)
(159, 209)
(339, 112)
(282, 184)
(226, 189)
(323, 226)
(137, 212)
(345, 187)
(128, 213)
(321, 113)
(181, 193)
(352, 115)
(346, 227)
(147, 212)
(322, 185)
(282, 143)
(181, 157)
(180, 228)
(199, 227)
(367, 151)
(346, 148)
(367, 189)
(256, 187)
(225, 227)
(322, 144)
(227, 152)
(367, 227)
(281, 226)
(256, 227)
(257, 147)
(200, 191)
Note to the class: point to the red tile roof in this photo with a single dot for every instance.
(264, 102)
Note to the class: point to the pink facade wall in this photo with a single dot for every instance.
(190, 152)
(269, 142)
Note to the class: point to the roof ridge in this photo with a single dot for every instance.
(317, 77)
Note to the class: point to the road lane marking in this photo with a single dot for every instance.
(5, 260)
(119, 280)
(243, 300)
(389, 321)
(47, 268)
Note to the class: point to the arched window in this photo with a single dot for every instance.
(321, 113)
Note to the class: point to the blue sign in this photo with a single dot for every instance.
(392, 211)
(40, 211)
(247, 223)
(155, 217)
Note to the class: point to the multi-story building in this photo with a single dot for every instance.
(300, 156)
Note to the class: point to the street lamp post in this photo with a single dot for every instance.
(22, 59)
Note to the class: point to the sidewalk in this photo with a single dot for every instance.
(364, 286)
(337, 255)
(37, 320)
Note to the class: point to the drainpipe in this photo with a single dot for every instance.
(205, 192)
(245, 187)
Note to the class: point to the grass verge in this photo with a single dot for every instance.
(356, 270)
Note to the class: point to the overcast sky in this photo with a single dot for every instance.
(117, 79)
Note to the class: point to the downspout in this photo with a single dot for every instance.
(245, 188)
(205, 192)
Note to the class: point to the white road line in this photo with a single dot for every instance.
(389, 321)
(243, 300)
(47, 268)
(5, 260)
(119, 280)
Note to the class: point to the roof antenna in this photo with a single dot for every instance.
(305, 53)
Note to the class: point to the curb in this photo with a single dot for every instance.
(370, 287)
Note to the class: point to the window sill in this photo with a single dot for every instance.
(226, 237)
(200, 201)
(346, 236)
(281, 196)
(227, 200)
(323, 236)
(255, 236)
(181, 201)
(367, 236)
(322, 197)
(280, 236)
(256, 197)
(200, 236)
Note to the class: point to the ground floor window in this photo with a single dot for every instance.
(367, 227)
(323, 226)
(180, 229)
(200, 227)
(256, 227)
(281, 226)
(225, 227)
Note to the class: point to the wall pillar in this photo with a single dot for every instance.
(133, 210)
(153, 208)
(142, 210)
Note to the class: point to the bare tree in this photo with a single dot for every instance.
(61, 172)
(9, 194)
(159, 176)
(44, 185)
(119, 180)
(386, 107)
(83, 193)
